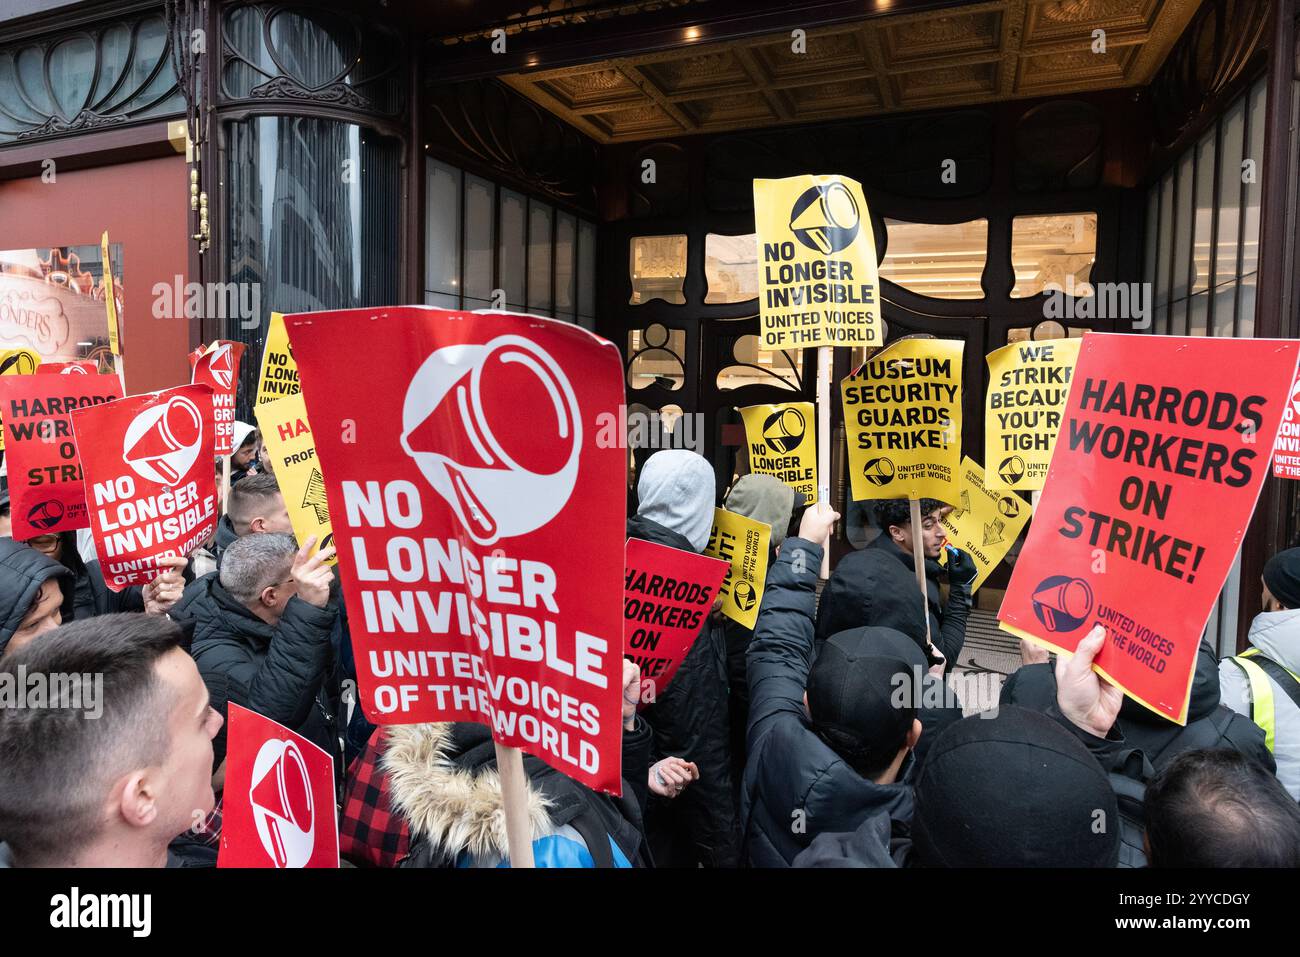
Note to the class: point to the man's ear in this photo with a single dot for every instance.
(914, 734)
(138, 803)
(899, 534)
(257, 525)
(267, 597)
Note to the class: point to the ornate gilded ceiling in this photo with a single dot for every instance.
(973, 54)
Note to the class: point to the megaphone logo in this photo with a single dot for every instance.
(1295, 401)
(221, 366)
(163, 441)
(879, 471)
(784, 429)
(826, 218)
(1062, 603)
(46, 514)
(1009, 506)
(1011, 469)
(283, 808)
(73, 370)
(745, 596)
(496, 431)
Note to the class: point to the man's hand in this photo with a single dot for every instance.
(631, 693)
(817, 522)
(1032, 653)
(1085, 698)
(936, 669)
(961, 567)
(312, 574)
(668, 777)
(166, 588)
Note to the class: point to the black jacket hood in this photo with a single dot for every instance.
(23, 570)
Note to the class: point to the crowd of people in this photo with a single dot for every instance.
(828, 736)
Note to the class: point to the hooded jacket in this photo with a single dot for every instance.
(876, 585)
(23, 570)
(1277, 636)
(442, 780)
(280, 671)
(676, 490)
(1210, 724)
(796, 787)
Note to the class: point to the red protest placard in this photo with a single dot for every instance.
(277, 809)
(1158, 464)
(73, 367)
(149, 479)
(479, 521)
(218, 369)
(667, 596)
(43, 461)
(1286, 453)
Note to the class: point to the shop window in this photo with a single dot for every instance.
(540, 243)
(565, 243)
(1057, 250)
(658, 269)
(1051, 329)
(754, 366)
(479, 242)
(513, 249)
(656, 357)
(943, 261)
(730, 268)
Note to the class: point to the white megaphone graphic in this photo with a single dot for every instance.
(221, 365)
(495, 491)
(283, 808)
(162, 442)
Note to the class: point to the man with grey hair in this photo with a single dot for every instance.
(262, 634)
(113, 789)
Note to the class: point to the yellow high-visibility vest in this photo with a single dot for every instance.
(1262, 710)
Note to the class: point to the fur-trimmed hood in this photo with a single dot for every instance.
(454, 808)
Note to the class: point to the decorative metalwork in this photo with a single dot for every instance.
(99, 76)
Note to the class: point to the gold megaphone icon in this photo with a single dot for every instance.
(835, 209)
(1062, 603)
(178, 428)
(283, 806)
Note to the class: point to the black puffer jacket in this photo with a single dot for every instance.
(795, 786)
(877, 586)
(281, 671)
(690, 722)
(1209, 723)
(23, 570)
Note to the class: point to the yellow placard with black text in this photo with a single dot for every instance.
(110, 297)
(984, 522)
(782, 443)
(279, 374)
(17, 362)
(744, 543)
(1029, 383)
(817, 264)
(286, 433)
(902, 418)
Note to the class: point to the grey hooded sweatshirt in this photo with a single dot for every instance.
(1277, 635)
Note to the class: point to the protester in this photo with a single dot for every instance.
(428, 795)
(1210, 724)
(1218, 808)
(262, 634)
(256, 505)
(877, 585)
(826, 741)
(675, 493)
(35, 595)
(91, 594)
(1262, 683)
(114, 786)
(244, 457)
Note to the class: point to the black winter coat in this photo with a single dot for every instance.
(876, 586)
(795, 786)
(690, 722)
(23, 570)
(280, 671)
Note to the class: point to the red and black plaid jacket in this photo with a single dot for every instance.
(370, 833)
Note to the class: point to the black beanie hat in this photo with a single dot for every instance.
(1282, 576)
(852, 707)
(873, 640)
(1015, 790)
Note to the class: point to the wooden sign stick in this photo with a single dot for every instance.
(824, 361)
(918, 562)
(225, 484)
(514, 794)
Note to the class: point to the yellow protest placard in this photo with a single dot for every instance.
(110, 296)
(17, 362)
(817, 263)
(288, 439)
(902, 416)
(279, 375)
(744, 543)
(782, 443)
(1029, 383)
(983, 522)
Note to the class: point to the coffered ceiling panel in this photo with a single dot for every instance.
(951, 57)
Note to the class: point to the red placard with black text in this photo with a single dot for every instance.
(149, 479)
(479, 521)
(72, 367)
(1286, 453)
(667, 596)
(1157, 467)
(44, 464)
(277, 809)
(218, 369)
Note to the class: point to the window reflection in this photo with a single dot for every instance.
(658, 269)
(944, 261)
(656, 357)
(755, 366)
(730, 268)
(1057, 249)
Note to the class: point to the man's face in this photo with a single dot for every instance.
(45, 614)
(1270, 603)
(48, 545)
(274, 519)
(933, 537)
(246, 454)
(184, 781)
